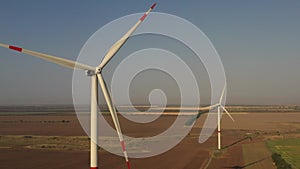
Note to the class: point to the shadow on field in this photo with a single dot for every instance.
(236, 142)
(249, 164)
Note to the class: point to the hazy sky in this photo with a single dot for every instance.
(258, 42)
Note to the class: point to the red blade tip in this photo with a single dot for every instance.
(15, 48)
(153, 5)
(128, 164)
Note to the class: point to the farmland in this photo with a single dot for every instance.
(56, 140)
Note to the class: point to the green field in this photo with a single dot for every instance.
(289, 149)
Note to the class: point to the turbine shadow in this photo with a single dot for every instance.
(249, 164)
(236, 142)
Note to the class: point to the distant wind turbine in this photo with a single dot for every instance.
(96, 76)
(204, 110)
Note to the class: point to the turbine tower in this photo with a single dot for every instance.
(220, 108)
(96, 77)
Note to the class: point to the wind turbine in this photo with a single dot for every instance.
(204, 110)
(96, 76)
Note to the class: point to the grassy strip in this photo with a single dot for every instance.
(287, 149)
(77, 143)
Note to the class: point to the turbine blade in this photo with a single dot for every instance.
(222, 95)
(191, 120)
(114, 116)
(60, 61)
(115, 47)
(227, 113)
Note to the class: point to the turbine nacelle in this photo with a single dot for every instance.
(215, 106)
(90, 72)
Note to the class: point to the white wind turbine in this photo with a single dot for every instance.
(204, 110)
(96, 76)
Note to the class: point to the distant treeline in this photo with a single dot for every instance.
(38, 108)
